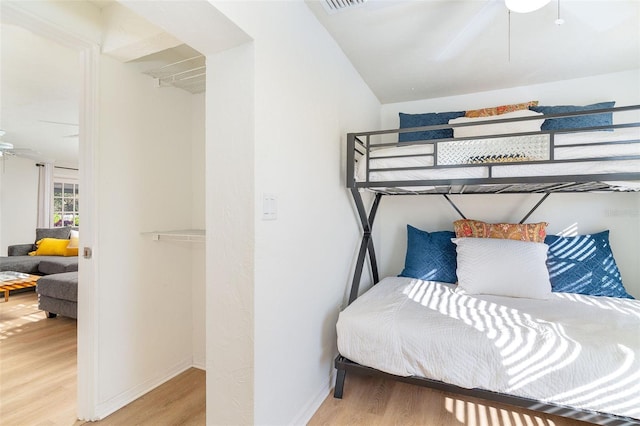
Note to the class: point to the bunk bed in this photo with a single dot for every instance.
(380, 331)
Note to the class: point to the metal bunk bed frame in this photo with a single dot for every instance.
(544, 185)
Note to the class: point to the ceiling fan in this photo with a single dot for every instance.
(62, 123)
(7, 150)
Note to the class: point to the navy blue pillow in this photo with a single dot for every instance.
(576, 122)
(584, 264)
(431, 256)
(428, 119)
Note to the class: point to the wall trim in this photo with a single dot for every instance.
(112, 405)
(310, 408)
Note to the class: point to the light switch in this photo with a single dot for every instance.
(269, 207)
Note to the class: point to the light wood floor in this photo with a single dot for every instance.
(38, 376)
(375, 401)
(38, 387)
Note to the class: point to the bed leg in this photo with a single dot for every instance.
(337, 391)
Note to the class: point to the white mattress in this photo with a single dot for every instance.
(573, 350)
(563, 151)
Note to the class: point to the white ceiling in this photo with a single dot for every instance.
(40, 87)
(408, 50)
(404, 50)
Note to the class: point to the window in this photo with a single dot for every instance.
(65, 204)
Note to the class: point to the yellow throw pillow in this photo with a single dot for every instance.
(71, 251)
(513, 231)
(51, 247)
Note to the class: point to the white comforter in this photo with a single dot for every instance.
(573, 350)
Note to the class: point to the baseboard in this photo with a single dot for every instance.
(310, 408)
(199, 364)
(114, 404)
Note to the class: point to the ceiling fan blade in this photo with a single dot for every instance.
(59, 122)
(469, 32)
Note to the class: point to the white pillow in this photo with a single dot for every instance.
(499, 128)
(502, 267)
(74, 239)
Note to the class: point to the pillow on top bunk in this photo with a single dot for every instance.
(502, 109)
(430, 256)
(576, 122)
(534, 232)
(498, 128)
(427, 119)
(584, 264)
(502, 267)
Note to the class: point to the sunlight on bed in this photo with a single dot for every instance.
(531, 348)
(477, 414)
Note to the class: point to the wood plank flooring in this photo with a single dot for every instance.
(38, 376)
(38, 387)
(376, 401)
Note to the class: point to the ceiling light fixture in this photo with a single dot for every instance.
(525, 6)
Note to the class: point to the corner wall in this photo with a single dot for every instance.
(307, 96)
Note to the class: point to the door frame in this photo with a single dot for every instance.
(21, 14)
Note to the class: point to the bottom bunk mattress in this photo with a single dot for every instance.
(572, 350)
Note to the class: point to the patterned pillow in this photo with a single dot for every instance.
(502, 109)
(430, 256)
(584, 264)
(534, 232)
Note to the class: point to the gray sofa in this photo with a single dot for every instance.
(58, 288)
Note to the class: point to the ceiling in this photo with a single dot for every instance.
(404, 50)
(40, 80)
(408, 50)
(40, 85)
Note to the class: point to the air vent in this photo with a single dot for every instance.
(333, 6)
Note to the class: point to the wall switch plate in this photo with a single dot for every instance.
(269, 207)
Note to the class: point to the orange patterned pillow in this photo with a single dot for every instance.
(502, 109)
(513, 231)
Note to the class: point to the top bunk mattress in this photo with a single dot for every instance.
(572, 350)
(524, 156)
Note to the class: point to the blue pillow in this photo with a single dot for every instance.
(584, 264)
(428, 119)
(575, 122)
(431, 256)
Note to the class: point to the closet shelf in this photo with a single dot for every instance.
(191, 235)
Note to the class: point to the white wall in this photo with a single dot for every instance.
(144, 181)
(307, 96)
(591, 212)
(622, 87)
(18, 202)
(230, 236)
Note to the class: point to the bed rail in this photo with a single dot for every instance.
(587, 159)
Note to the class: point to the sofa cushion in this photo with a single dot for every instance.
(57, 265)
(60, 286)
(60, 233)
(24, 264)
(19, 249)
